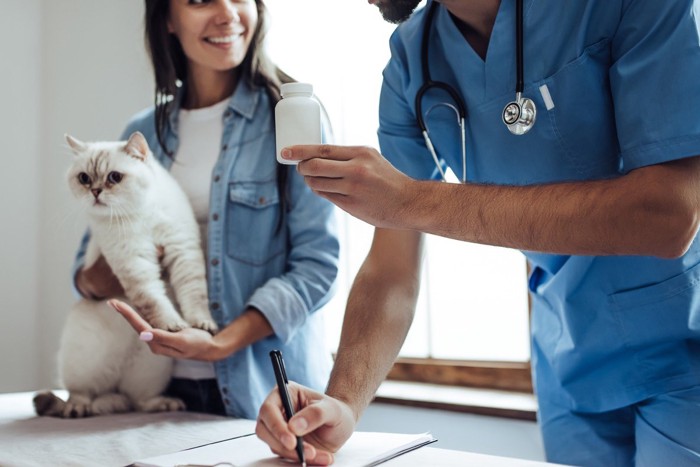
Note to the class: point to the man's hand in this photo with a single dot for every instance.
(357, 179)
(324, 422)
(189, 343)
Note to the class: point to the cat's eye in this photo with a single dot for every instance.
(84, 178)
(114, 177)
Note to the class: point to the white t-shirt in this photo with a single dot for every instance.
(199, 133)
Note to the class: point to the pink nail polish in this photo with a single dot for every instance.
(146, 336)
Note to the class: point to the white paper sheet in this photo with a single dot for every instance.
(362, 449)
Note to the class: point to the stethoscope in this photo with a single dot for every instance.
(518, 115)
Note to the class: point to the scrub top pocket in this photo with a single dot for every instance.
(582, 112)
(252, 219)
(652, 320)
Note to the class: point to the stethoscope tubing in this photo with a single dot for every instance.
(526, 109)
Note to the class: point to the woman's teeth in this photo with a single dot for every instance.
(222, 40)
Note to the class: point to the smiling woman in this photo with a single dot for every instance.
(211, 126)
(215, 36)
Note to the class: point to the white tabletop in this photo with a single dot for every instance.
(119, 440)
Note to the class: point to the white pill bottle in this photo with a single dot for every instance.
(297, 118)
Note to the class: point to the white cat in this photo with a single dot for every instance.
(134, 206)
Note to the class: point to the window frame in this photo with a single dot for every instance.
(506, 376)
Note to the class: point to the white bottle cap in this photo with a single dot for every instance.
(294, 88)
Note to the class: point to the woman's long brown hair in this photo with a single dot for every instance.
(170, 68)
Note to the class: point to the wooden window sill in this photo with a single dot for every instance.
(492, 402)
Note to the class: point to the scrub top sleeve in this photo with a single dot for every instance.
(654, 78)
(400, 138)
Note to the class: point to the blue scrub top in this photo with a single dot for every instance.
(624, 81)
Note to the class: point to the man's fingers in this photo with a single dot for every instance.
(324, 168)
(314, 416)
(280, 449)
(271, 417)
(323, 151)
(134, 319)
(287, 449)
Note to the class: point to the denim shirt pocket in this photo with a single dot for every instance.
(253, 215)
(582, 113)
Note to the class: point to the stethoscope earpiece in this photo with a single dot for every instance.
(519, 115)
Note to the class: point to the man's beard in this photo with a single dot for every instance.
(397, 11)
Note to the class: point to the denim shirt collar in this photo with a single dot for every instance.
(243, 101)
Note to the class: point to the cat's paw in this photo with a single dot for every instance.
(205, 324)
(47, 403)
(161, 404)
(77, 409)
(169, 324)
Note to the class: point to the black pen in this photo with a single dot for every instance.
(282, 381)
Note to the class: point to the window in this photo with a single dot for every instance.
(471, 324)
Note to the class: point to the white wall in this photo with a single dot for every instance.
(75, 66)
(95, 77)
(20, 191)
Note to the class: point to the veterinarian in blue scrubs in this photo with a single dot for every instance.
(271, 243)
(599, 186)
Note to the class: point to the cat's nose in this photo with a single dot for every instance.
(96, 192)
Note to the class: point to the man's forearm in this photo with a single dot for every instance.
(378, 316)
(651, 211)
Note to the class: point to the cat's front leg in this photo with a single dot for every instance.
(146, 292)
(187, 273)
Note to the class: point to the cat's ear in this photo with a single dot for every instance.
(137, 146)
(76, 145)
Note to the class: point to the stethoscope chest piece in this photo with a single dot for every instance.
(519, 115)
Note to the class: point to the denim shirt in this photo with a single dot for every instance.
(286, 273)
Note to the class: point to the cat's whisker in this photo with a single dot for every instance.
(60, 217)
(125, 215)
(127, 210)
(111, 218)
(121, 230)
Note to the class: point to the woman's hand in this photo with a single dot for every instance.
(188, 343)
(98, 281)
(324, 422)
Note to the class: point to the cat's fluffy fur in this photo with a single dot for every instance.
(133, 205)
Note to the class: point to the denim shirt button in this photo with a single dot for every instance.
(217, 178)
(215, 262)
(215, 217)
(215, 306)
(225, 147)
(224, 390)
